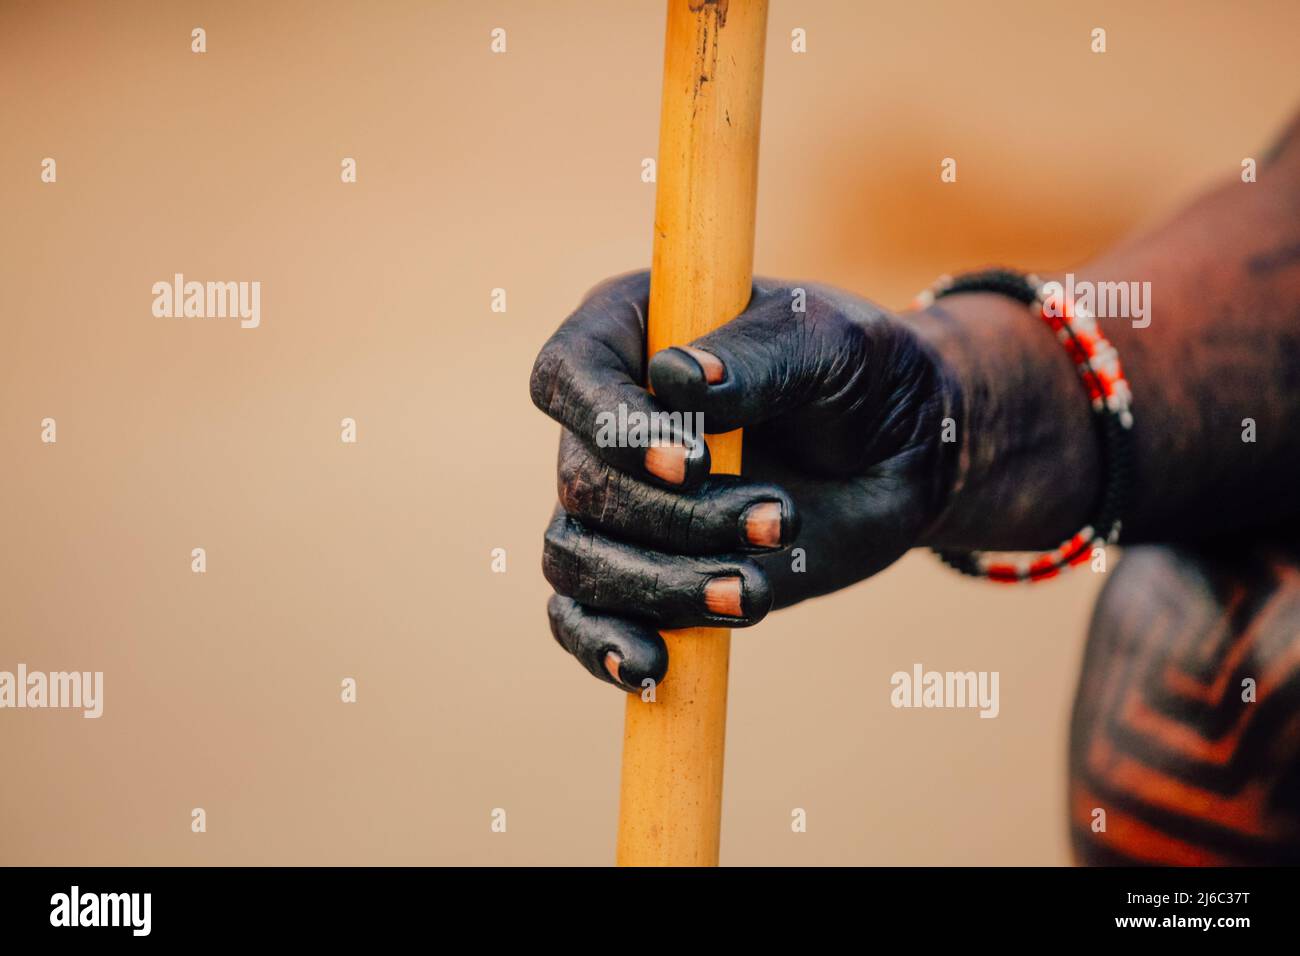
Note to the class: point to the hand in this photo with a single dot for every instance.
(843, 407)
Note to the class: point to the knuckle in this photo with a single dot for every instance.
(565, 551)
(551, 369)
(556, 560)
(555, 610)
(587, 486)
(758, 589)
(630, 285)
(556, 532)
(562, 613)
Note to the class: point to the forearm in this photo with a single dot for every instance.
(1027, 458)
(1222, 346)
(1222, 351)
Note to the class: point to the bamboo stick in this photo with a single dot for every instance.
(707, 178)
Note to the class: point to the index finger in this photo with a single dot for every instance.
(588, 378)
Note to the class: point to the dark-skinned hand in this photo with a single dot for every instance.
(842, 405)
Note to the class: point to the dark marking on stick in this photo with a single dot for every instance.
(706, 54)
(719, 8)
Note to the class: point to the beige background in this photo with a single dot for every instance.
(372, 560)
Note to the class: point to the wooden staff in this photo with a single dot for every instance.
(671, 807)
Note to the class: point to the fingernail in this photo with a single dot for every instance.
(722, 596)
(666, 462)
(714, 372)
(612, 664)
(763, 524)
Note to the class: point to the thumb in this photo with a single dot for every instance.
(766, 361)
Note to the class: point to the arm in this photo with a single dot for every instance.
(1223, 345)
(844, 405)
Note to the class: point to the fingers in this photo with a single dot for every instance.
(724, 514)
(588, 377)
(768, 360)
(620, 651)
(661, 587)
(670, 590)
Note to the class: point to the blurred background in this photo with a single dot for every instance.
(373, 560)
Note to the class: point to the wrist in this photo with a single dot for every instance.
(1024, 458)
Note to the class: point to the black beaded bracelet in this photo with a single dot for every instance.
(1108, 390)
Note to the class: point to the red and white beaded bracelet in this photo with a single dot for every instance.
(1108, 391)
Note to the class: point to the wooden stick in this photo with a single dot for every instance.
(671, 807)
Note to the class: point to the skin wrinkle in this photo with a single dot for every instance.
(689, 519)
(605, 574)
(614, 490)
(702, 521)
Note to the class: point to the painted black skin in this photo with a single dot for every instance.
(842, 406)
(843, 410)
